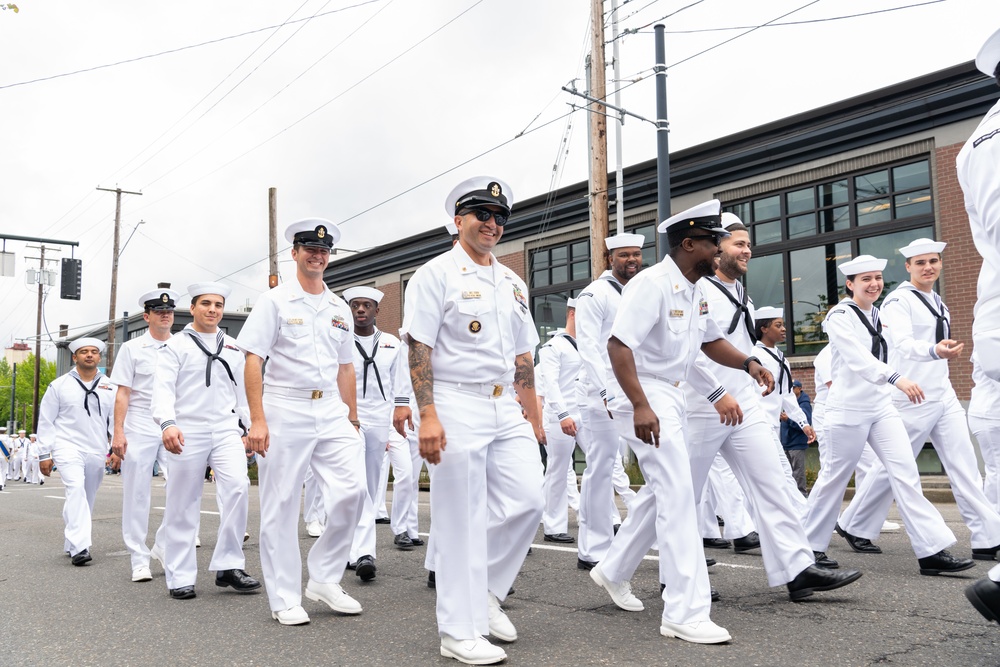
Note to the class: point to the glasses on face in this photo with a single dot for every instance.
(714, 238)
(484, 214)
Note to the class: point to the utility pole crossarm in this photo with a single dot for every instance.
(110, 355)
(624, 112)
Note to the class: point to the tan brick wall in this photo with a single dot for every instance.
(515, 262)
(390, 309)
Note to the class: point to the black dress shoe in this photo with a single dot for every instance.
(985, 597)
(431, 579)
(747, 542)
(817, 579)
(403, 541)
(82, 558)
(860, 544)
(416, 541)
(709, 562)
(238, 579)
(722, 522)
(584, 564)
(560, 537)
(986, 554)
(182, 593)
(715, 594)
(715, 543)
(365, 568)
(824, 561)
(383, 520)
(942, 563)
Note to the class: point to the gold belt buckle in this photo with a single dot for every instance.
(316, 394)
(497, 390)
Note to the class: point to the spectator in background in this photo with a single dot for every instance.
(794, 440)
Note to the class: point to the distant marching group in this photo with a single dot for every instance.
(673, 362)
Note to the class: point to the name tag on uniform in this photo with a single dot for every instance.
(472, 295)
(676, 313)
(295, 320)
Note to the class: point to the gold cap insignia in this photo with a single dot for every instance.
(165, 298)
(495, 189)
(321, 231)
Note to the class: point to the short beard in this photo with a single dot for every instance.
(704, 268)
(731, 267)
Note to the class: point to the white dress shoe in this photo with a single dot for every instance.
(476, 651)
(701, 632)
(157, 554)
(197, 540)
(291, 616)
(889, 526)
(142, 573)
(334, 596)
(621, 593)
(314, 529)
(500, 625)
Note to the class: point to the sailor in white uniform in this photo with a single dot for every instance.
(859, 408)
(471, 336)
(303, 413)
(74, 426)
(200, 405)
(137, 440)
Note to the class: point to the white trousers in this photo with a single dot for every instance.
(663, 511)
(847, 431)
(313, 501)
(945, 424)
(987, 432)
(723, 496)
(621, 483)
(307, 434)
(145, 447)
(363, 543)
(572, 486)
(82, 474)
(795, 497)
(226, 455)
(381, 511)
(15, 465)
(749, 450)
(559, 448)
(599, 440)
(408, 519)
(34, 473)
(403, 487)
(4, 469)
(486, 502)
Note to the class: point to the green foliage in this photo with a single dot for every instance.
(24, 394)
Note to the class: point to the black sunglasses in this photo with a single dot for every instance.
(484, 214)
(714, 238)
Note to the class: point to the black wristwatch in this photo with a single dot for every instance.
(746, 363)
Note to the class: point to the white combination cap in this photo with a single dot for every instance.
(730, 219)
(362, 293)
(706, 216)
(479, 191)
(624, 241)
(159, 299)
(313, 232)
(198, 289)
(922, 247)
(769, 313)
(862, 264)
(86, 342)
(989, 55)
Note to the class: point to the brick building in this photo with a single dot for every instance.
(865, 175)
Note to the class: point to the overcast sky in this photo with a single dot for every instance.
(367, 112)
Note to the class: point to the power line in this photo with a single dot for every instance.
(184, 48)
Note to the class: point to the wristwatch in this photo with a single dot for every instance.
(746, 363)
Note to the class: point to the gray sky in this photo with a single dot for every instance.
(349, 112)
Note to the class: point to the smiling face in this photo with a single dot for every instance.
(478, 238)
(924, 270)
(625, 263)
(867, 288)
(206, 310)
(735, 255)
(310, 261)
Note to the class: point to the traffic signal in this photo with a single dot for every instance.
(72, 272)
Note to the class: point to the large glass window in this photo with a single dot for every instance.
(801, 234)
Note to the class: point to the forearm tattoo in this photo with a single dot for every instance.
(421, 374)
(524, 372)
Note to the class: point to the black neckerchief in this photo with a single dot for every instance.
(212, 357)
(369, 361)
(943, 329)
(87, 393)
(741, 309)
(879, 348)
(785, 372)
(614, 283)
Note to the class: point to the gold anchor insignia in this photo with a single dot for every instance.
(495, 189)
(321, 231)
(165, 298)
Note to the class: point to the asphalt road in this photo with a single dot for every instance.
(54, 614)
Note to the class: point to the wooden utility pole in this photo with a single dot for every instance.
(272, 236)
(598, 143)
(109, 358)
(38, 341)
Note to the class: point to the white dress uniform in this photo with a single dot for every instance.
(21, 446)
(984, 422)
(664, 509)
(198, 387)
(34, 475)
(859, 407)
(405, 518)
(4, 459)
(749, 448)
(135, 365)
(724, 497)
(911, 332)
(977, 174)
(74, 423)
(560, 364)
(16, 458)
(305, 338)
(596, 307)
(486, 494)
